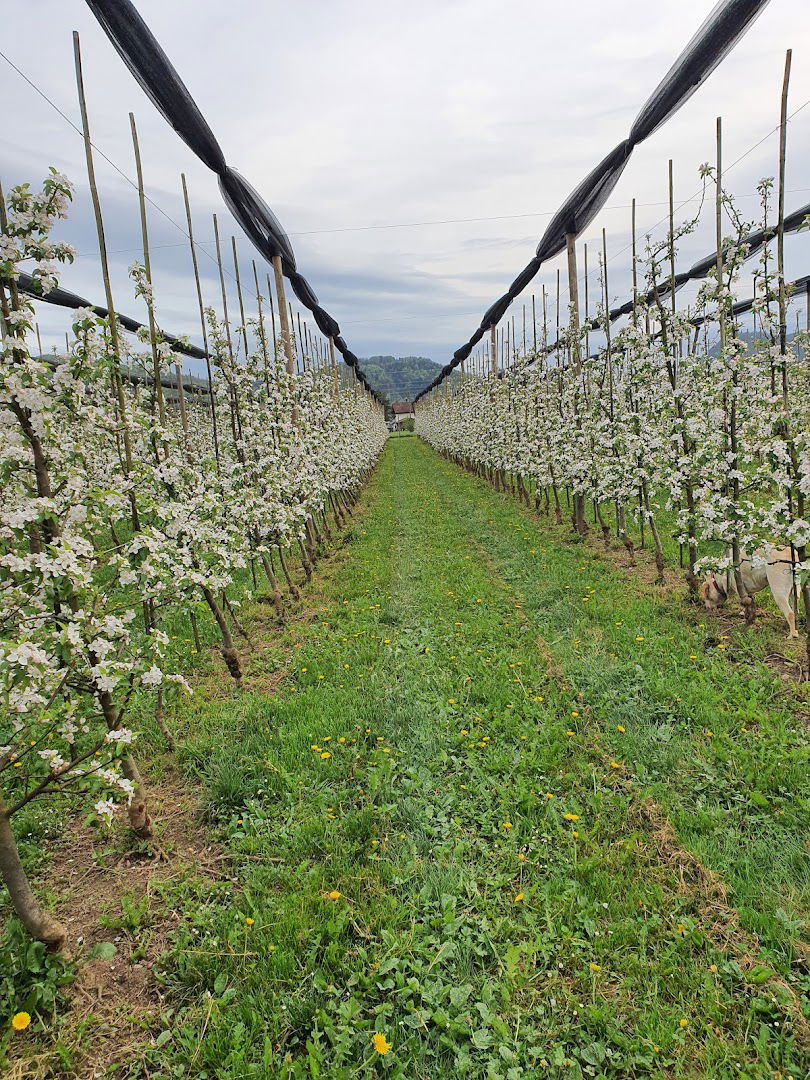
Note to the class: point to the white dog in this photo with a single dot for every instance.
(770, 567)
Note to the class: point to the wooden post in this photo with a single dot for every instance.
(138, 814)
(262, 333)
(239, 295)
(580, 524)
(286, 336)
(150, 307)
(587, 309)
(573, 298)
(634, 259)
(335, 375)
(118, 389)
(203, 330)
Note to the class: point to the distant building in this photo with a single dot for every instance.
(403, 411)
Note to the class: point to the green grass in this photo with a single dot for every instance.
(456, 677)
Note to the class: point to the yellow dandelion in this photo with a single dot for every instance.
(248, 921)
(325, 755)
(548, 795)
(615, 765)
(571, 817)
(620, 728)
(570, 734)
(683, 1023)
(381, 1044)
(595, 967)
(20, 1021)
(519, 897)
(334, 895)
(507, 824)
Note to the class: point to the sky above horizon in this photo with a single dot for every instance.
(414, 152)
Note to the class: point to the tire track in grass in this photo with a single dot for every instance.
(458, 875)
(719, 921)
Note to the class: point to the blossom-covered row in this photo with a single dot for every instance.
(677, 417)
(120, 506)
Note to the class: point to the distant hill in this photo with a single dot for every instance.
(400, 378)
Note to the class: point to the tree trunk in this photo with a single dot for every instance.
(37, 922)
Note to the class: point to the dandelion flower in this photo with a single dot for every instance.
(334, 895)
(507, 824)
(248, 921)
(325, 755)
(570, 734)
(615, 765)
(571, 817)
(683, 1023)
(620, 728)
(548, 795)
(464, 731)
(381, 1044)
(595, 967)
(20, 1021)
(519, 897)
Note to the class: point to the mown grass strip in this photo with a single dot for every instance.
(429, 841)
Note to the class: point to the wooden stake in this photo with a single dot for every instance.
(285, 326)
(204, 332)
(150, 305)
(105, 273)
(239, 295)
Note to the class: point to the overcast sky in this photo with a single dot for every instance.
(414, 151)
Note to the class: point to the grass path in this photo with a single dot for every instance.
(508, 811)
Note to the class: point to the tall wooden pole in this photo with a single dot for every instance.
(286, 335)
(150, 306)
